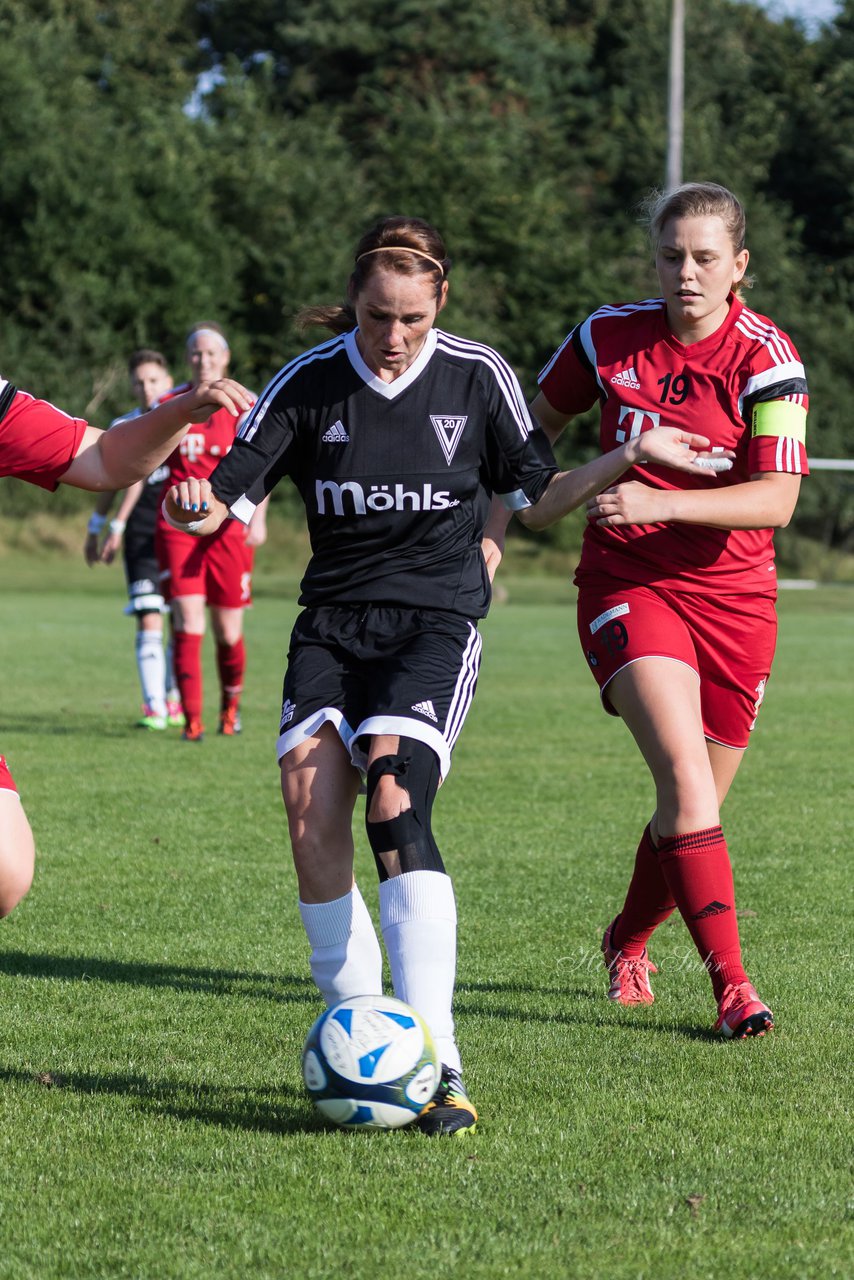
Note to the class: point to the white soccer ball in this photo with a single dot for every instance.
(369, 1062)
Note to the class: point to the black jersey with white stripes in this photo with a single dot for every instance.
(396, 477)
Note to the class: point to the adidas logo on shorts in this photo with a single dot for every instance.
(426, 709)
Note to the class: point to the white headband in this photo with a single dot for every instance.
(210, 333)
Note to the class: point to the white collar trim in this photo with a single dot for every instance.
(390, 390)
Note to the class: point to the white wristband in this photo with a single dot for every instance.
(96, 523)
(191, 526)
(118, 526)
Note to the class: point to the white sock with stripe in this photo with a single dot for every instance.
(345, 952)
(418, 916)
(151, 665)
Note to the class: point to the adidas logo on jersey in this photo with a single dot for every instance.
(627, 378)
(288, 709)
(337, 434)
(426, 709)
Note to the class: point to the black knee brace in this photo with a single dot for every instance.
(415, 768)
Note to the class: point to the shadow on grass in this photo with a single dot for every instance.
(283, 988)
(82, 724)
(573, 1005)
(251, 1110)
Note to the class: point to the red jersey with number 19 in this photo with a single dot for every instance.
(743, 387)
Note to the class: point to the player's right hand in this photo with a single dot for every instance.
(493, 551)
(203, 400)
(90, 549)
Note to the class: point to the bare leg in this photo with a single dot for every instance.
(660, 702)
(319, 788)
(17, 851)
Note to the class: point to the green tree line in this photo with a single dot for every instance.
(189, 159)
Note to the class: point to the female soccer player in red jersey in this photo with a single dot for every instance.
(45, 446)
(676, 581)
(215, 570)
(396, 434)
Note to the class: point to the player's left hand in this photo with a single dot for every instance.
(681, 450)
(112, 546)
(189, 501)
(628, 503)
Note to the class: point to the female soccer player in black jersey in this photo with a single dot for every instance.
(396, 435)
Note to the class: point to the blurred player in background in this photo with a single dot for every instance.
(677, 583)
(41, 444)
(215, 571)
(396, 435)
(132, 530)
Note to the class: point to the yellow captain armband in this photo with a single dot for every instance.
(779, 418)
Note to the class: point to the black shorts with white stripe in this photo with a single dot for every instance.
(379, 669)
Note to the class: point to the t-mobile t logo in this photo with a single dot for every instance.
(637, 417)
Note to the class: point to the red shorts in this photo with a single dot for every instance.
(728, 640)
(7, 782)
(218, 567)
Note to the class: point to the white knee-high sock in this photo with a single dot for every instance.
(345, 952)
(151, 665)
(418, 917)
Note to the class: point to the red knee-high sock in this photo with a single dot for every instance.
(231, 664)
(648, 902)
(697, 868)
(188, 672)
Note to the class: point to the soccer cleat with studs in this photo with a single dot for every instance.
(629, 974)
(150, 719)
(449, 1113)
(194, 731)
(229, 721)
(741, 1013)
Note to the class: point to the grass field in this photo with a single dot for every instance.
(154, 989)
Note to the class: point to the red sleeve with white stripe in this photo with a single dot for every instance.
(775, 399)
(778, 453)
(568, 382)
(38, 442)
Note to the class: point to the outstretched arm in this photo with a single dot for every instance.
(131, 450)
(664, 446)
